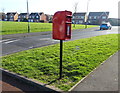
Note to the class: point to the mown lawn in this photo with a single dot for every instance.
(80, 57)
(21, 27)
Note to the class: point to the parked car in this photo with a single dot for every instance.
(105, 26)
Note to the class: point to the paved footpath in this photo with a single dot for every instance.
(103, 78)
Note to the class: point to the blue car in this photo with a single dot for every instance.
(105, 26)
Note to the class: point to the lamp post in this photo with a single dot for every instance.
(28, 17)
(86, 18)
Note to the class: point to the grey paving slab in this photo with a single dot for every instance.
(103, 78)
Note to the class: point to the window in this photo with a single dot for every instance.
(37, 16)
(18, 16)
(103, 22)
(73, 22)
(76, 16)
(31, 20)
(80, 22)
(37, 20)
(77, 22)
(18, 20)
(82, 17)
(90, 17)
(89, 21)
(95, 17)
(24, 16)
(103, 17)
(32, 16)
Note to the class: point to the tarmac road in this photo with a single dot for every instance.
(20, 42)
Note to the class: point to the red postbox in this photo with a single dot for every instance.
(62, 25)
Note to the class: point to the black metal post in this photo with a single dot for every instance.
(28, 27)
(61, 46)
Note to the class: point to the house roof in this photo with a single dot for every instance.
(1, 13)
(98, 13)
(79, 14)
(41, 13)
(33, 14)
(11, 13)
(23, 14)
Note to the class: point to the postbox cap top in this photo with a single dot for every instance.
(63, 11)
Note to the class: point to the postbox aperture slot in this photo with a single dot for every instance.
(68, 22)
(69, 16)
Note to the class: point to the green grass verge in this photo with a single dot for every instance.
(21, 27)
(80, 57)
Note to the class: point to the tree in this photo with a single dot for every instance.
(75, 10)
(3, 10)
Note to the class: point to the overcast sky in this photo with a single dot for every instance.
(51, 6)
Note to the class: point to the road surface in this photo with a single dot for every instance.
(20, 43)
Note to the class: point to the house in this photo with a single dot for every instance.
(78, 18)
(23, 17)
(37, 17)
(2, 16)
(49, 18)
(97, 18)
(11, 16)
(114, 21)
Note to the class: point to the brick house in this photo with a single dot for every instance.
(97, 18)
(49, 18)
(78, 18)
(37, 17)
(11, 16)
(23, 17)
(2, 16)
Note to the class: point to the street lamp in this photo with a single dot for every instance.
(86, 16)
(28, 17)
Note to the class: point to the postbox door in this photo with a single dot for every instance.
(68, 30)
(59, 25)
(68, 25)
